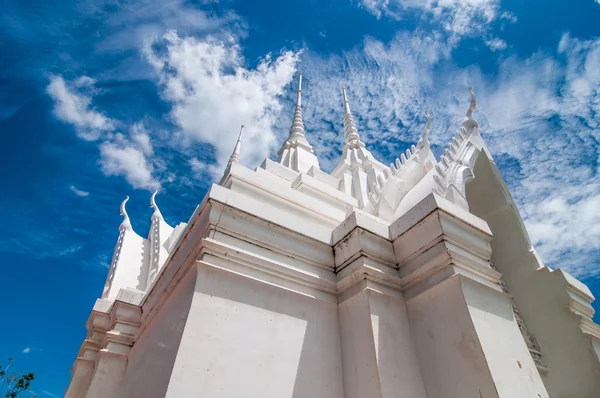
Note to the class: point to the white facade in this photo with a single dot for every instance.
(415, 280)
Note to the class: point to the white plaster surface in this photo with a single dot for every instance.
(151, 360)
(256, 340)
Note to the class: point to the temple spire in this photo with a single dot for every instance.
(235, 155)
(297, 128)
(296, 153)
(126, 224)
(351, 136)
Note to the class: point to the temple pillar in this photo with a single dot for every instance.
(465, 333)
(379, 359)
(83, 369)
(111, 361)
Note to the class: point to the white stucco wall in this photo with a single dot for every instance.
(540, 295)
(513, 370)
(245, 338)
(151, 359)
(379, 358)
(451, 358)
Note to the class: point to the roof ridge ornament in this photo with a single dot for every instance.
(126, 224)
(157, 213)
(423, 141)
(470, 122)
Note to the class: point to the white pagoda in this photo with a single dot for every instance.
(413, 280)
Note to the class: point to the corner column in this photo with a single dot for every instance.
(466, 336)
(83, 368)
(378, 354)
(111, 361)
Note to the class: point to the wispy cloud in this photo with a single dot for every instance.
(458, 17)
(26, 350)
(48, 393)
(79, 192)
(540, 113)
(134, 21)
(73, 105)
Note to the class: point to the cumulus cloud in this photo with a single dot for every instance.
(131, 157)
(124, 157)
(78, 192)
(26, 350)
(73, 105)
(213, 92)
(459, 17)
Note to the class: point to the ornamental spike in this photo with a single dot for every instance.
(235, 155)
(297, 128)
(350, 131)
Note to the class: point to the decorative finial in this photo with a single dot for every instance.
(473, 104)
(423, 141)
(470, 122)
(299, 100)
(235, 155)
(153, 204)
(350, 132)
(346, 103)
(126, 224)
(297, 128)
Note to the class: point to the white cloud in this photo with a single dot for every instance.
(496, 44)
(138, 20)
(212, 93)
(26, 350)
(459, 17)
(73, 105)
(141, 137)
(121, 157)
(78, 192)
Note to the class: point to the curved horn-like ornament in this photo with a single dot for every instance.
(153, 204)
(423, 141)
(473, 104)
(470, 122)
(126, 224)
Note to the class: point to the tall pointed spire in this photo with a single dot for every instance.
(351, 136)
(297, 129)
(296, 153)
(235, 155)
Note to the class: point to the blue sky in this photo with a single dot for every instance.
(105, 98)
